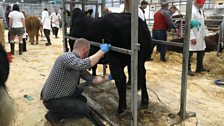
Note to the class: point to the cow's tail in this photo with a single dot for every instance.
(6, 108)
(146, 40)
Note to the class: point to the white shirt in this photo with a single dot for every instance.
(55, 20)
(16, 17)
(141, 14)
(198, 34)
(46, 21)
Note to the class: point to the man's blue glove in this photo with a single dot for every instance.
(105, 47)
(110, 77)
(195, 23)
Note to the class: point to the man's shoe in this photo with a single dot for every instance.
(190, 73)
(52, 122)
(201, 70)
(47, 44)
(149, 59)
(164, 60)
(83, 98)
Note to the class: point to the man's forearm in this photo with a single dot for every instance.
(96, 57)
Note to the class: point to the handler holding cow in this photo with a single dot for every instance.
(162, 23)
(197, 36)
(61, 94)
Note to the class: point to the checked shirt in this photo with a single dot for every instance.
(65, 75)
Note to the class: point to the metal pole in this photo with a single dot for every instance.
(96, 12)
(167, 43)
(102, 7)
(185, 60)
(64, 27)
(134, 61)
(220, 37)
(83, 5)
(114, 48)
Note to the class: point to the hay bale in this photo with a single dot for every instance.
(2, 38)
(214, 63)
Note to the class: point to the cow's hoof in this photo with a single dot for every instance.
(122, 111)
(144, 106)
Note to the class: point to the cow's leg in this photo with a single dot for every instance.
(94, 70)
(118, 74)
(129, 79)
(142, 82)
(32, 39)
(37, 38)
(71, 44)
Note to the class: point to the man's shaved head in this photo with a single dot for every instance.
(80, 43)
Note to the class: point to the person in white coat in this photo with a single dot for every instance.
(197, 35)
(46, 22)
(55, 22)
(141, 11)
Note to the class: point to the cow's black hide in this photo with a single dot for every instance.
(4, 67)
(211, 44)
(115, 28)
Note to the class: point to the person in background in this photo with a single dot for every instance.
(24, 37)
(46, 22)
(197, 35)
(162, 23)
(55, 22)
(7, 11)
(141, 11)
(16, 27)
(172, 10)
(106, 10)
(62, 94)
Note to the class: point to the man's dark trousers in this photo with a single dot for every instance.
(200, 56)
(68, 107)
(160, 35)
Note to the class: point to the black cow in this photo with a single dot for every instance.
(115, 28)
(93, 50)
(210, 41)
